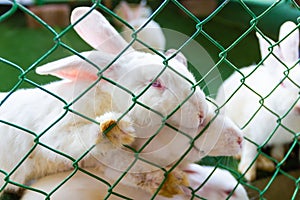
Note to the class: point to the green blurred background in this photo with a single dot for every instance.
(23, 46)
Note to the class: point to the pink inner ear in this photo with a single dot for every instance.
(126, 11)
(73, 74)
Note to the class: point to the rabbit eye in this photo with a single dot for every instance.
(228, 192)
(157, 84)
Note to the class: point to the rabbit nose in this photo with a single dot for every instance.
(201, 117)
(240, 141)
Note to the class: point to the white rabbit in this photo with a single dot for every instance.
(65, 115)
(207, 182)
(222, 134)
(137, 16)
(90, 34)
(262, 80)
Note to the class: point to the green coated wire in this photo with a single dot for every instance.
(223, 58)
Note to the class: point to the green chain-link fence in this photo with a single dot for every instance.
(227, 33)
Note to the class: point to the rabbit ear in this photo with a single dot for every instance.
(264, 45)
(179, 56)
(74, 68)
(140, 8)
(126, 10)
(97, 31)
(289, 46)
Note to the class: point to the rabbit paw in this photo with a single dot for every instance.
(117, 132)
(265, 164)
(250, 175)
(173, 185)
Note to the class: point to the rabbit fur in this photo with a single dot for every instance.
(104, 125)
(137, 16)
(243, 104)
(82, 186)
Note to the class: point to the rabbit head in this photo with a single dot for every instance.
(284, 55)
(221, 138)
(153, 91)
(168, 84)
(218, 186)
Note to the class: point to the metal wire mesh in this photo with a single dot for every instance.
(199, 30)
